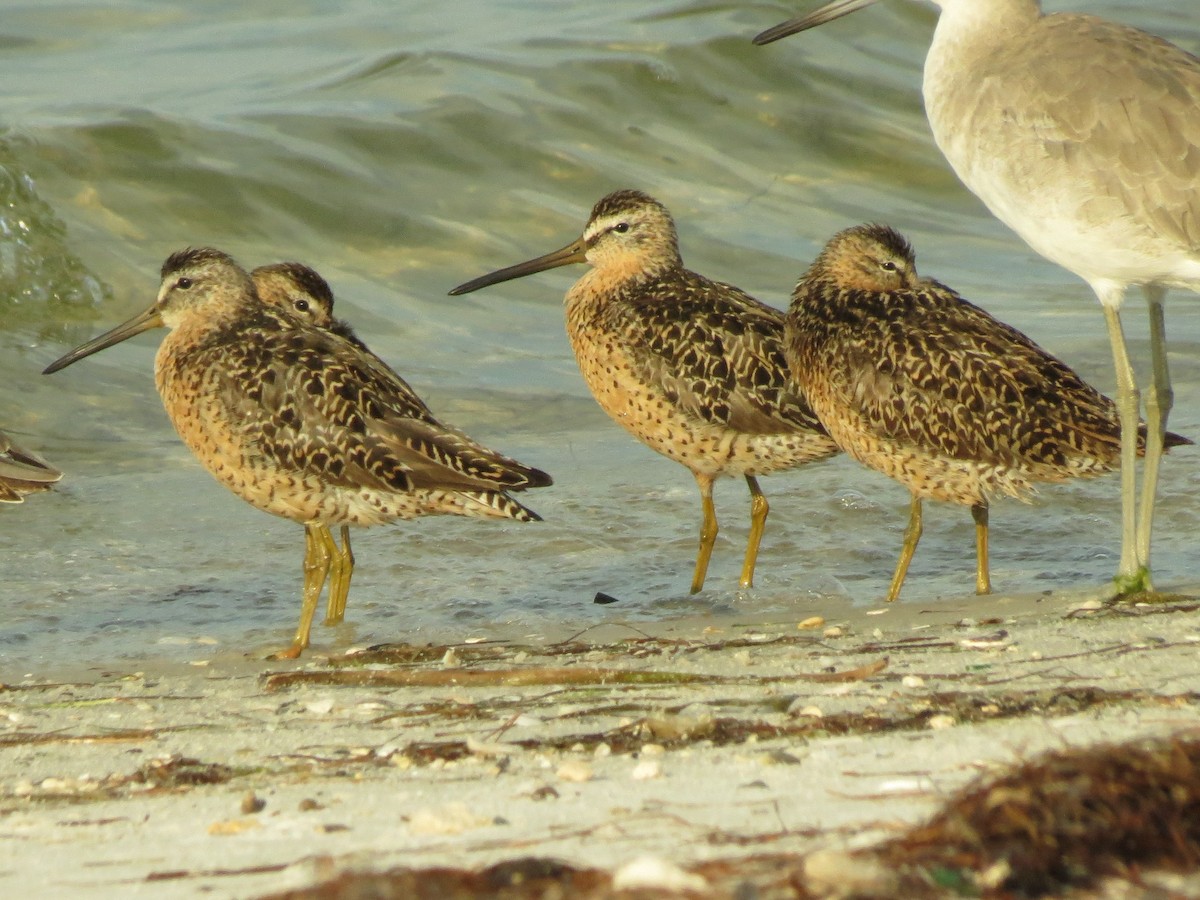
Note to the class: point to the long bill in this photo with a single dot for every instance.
(827, 13)
(575, 252)
(143, 321)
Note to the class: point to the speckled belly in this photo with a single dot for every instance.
(645, 411)
(232, 457)
(924, 472)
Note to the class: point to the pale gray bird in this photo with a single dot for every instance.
(1083, 136)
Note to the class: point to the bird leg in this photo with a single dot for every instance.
(708, 531)
(758, 521)
(339, 580)
(912, 534)
(1159, 400)
(1131, 575)
(983, 582)
(317, 556)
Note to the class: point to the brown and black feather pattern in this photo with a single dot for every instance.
(22, 472)
(912, 379)
(693, 367)
(303, 423)
(300, 290)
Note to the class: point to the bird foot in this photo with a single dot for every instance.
(1127, 586)
(292, 652)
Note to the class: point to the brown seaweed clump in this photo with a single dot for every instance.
(1065, 819)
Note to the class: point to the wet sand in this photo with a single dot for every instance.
(705, 745)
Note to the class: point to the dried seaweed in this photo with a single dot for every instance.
(1066, 818)
(1059, 822)
(538, 675)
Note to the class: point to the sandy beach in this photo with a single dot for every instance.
(702, 757)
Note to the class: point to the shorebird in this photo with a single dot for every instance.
(301, 423)
(23, 472)
(691, 367)
(302, 291)
(912, 380)
(1081, 135)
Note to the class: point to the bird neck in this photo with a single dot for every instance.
(967, 28)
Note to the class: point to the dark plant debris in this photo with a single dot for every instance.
(1053, 826)
(1064, 819)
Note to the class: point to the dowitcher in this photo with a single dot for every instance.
(23, 472)
(302, 291)
(301, 423)
(912, 380)
(1081, 135)
(691, 367)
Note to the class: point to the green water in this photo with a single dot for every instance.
(401, 148)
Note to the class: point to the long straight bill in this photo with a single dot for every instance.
(575, 252)
(143, 321)
(826, 13)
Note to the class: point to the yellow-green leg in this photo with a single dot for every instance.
(708, 531)
(912, 534)
(340, 572)
(983, 581)
(758, 523)
(1131, 575)
(317, 557)
(1159, 400)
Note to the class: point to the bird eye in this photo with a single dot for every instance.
(621, 227)
(888, 266)
(301, 305)
(184, 283)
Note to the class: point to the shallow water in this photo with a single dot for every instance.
(402, 152)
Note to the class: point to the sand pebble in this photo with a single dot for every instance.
(656, 873)
(233, 826)
(575, 770)
(912, 681)
(669, 726)
(322, 707)
(646, 770)
(834, 631)
(941, 722)
(800, 708)
(841, 874)
(902, 786)
(1087, 606)
(488, 748)
(450, 660)
(454, 818)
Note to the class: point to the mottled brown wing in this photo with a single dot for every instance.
(324, 406)
(1106, 105)
(930, 369)
(717, 353)
(22, 472)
